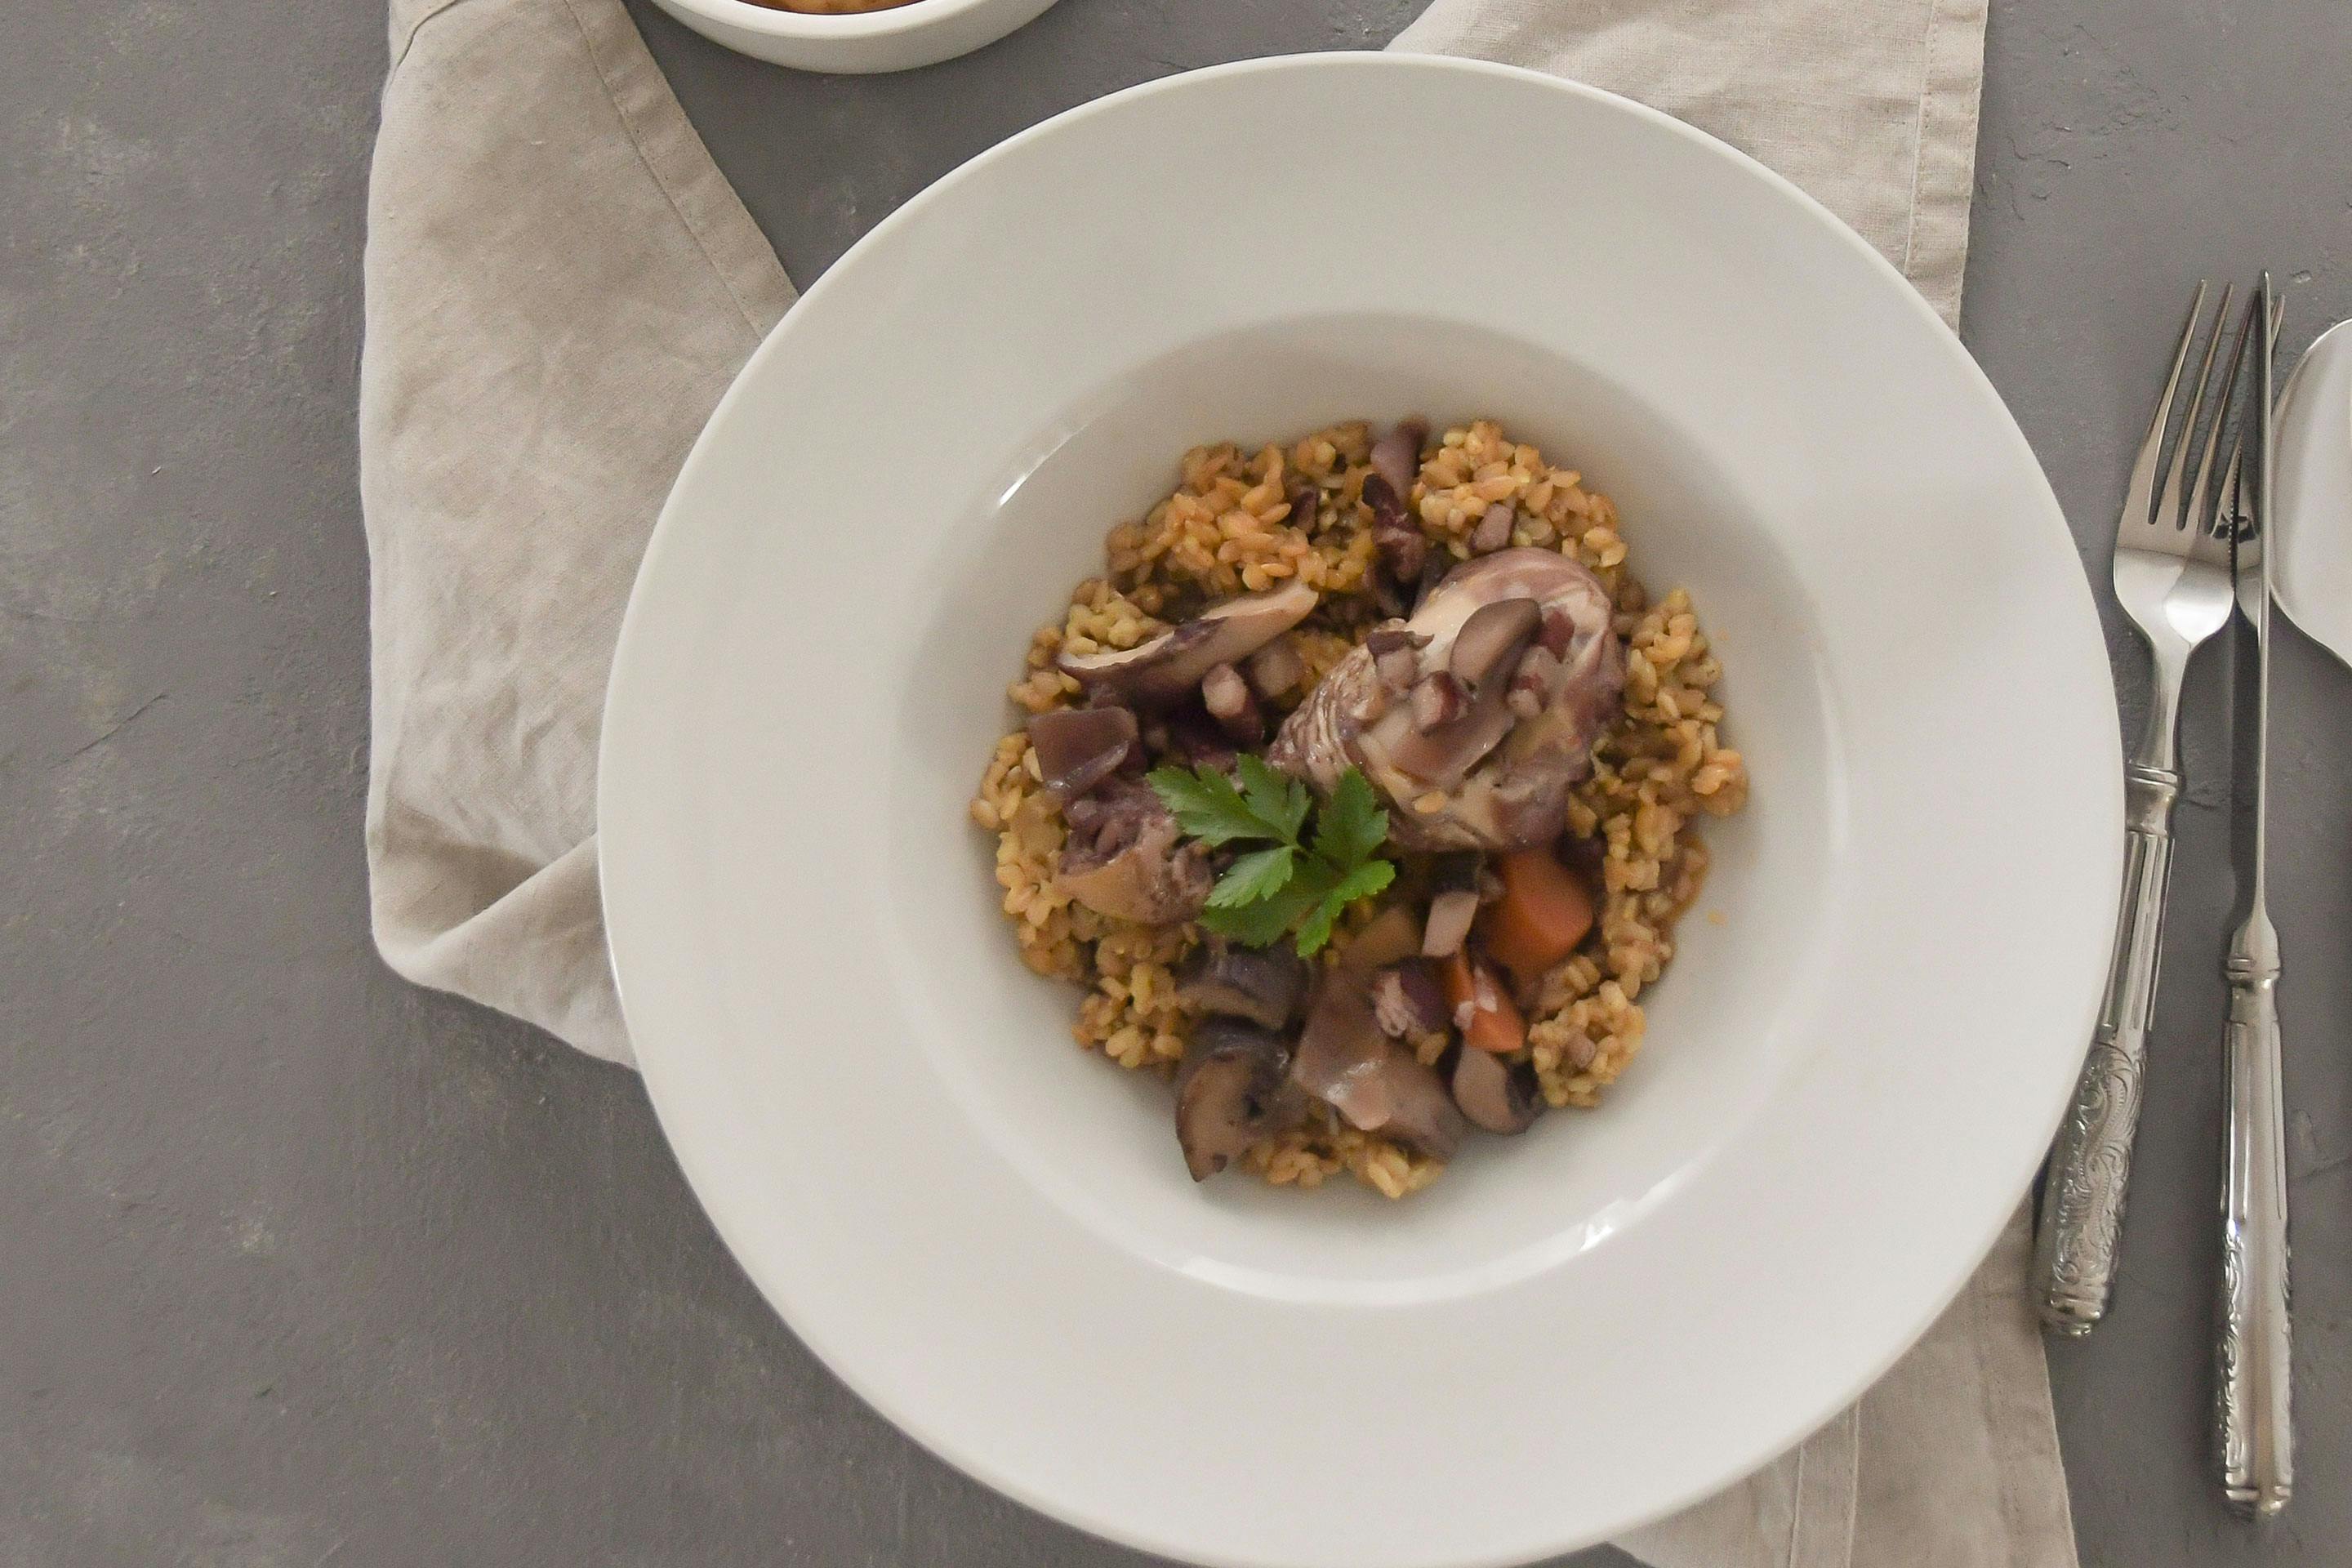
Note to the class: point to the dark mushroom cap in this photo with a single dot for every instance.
(1077, 748)
(1490, 642)
(1233, 1092)
(1262, 986)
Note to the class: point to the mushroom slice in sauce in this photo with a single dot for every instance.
(1401, 549)
(1168, 667)
(1077, 748)
(1494, 530)
(1396, 455)
(1232, 1091)
(1453, 906)
(1491, 640)
(1262, 986)
(1122, 857)
(1497, 1095)
(1345, 1061)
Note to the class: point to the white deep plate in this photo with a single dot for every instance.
(1848, 1080)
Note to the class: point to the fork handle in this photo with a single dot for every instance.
(2252, 1409)
(2090, 1165)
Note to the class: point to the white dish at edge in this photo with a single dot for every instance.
(2311, 572)
(1848, 1081)
(922, 32)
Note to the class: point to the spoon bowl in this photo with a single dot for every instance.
(2312, 571)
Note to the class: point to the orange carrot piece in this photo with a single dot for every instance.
(1495, 1022)
(1544, 913)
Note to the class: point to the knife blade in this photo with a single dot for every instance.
(2253, 1423)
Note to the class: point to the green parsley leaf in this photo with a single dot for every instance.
(1274, 798)
(1253, 878)
(1289, 886)
(1351, 824)
(1263, 923)
(1206, 804)
(1360, 883)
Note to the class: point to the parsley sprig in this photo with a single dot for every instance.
(1295, 883)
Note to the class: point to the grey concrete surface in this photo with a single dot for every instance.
(298, 1266)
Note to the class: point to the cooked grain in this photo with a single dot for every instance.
(1242, 522)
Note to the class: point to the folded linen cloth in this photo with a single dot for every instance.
(559, 285)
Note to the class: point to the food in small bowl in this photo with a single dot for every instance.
(853, 35)
(830, 7)
(1362, 793)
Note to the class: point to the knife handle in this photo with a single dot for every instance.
(2253, 1360)
(2090, 1164)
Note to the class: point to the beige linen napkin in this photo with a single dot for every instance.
(560, 284)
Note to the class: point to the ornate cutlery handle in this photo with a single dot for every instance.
(2256, 1427)
(2083, 1198)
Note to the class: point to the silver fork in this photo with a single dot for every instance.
(2172, 576)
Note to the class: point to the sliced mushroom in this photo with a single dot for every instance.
(1424, 1117)
(1346, 1061)
(1122, 857)
(1396, 455)
(1403, 549)
(1276, 668)
(1453, 906)
(1439, 757)
(1168, 666)
(1494, 530)
(1407, 999)
(1077, 748)
(1262, 986)
(1233, 1092)
(1491, 640)
(1497, 1095)
(1232, 705)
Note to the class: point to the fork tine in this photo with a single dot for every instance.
(2171, 507)
(2197, 517)
(2139, 496)
(2225, 505)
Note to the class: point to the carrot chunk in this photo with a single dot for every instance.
(1544, 913)
(1495, 1024)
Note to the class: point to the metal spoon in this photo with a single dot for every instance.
(2311, 564)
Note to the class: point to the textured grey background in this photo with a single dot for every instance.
(298, 1266)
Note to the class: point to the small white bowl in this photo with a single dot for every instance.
(922, 32)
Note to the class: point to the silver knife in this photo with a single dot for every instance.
(2253, 1413)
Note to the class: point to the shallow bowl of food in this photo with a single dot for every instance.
(1833, 767)
(855, 36)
